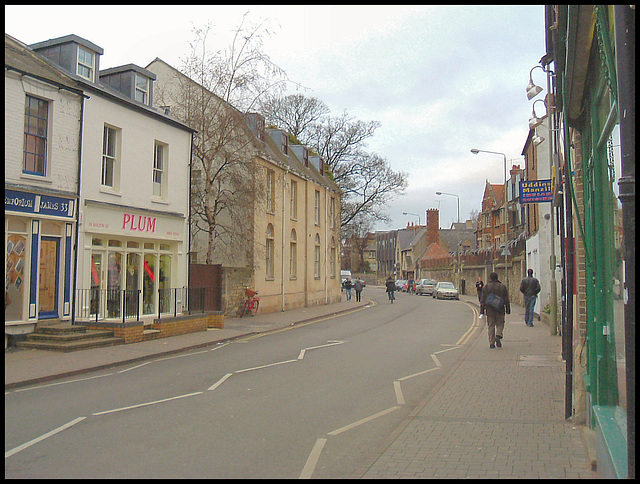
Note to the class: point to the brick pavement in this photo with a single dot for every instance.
(498, 414)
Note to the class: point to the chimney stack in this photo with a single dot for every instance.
(433, 225)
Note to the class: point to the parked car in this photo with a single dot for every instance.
(425, 286)
(445, 290)
(400, 283)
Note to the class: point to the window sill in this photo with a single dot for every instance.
(33, 177)
(110, 191)
(159, 200)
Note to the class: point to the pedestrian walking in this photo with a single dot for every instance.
(391, 287)
(479, 286)
(347, 287)
(530, 287)
(494, 302)
(358, 285)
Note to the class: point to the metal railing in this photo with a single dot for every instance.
(122, 304)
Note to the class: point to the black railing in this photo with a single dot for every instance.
(121, 304)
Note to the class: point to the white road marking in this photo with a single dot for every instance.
(399, 395)
(363, 421)
(219, 382)
(147, 403)
(310, 466)
(418, 374)
(181, 356)
(134, 367)
(437, 361)
(265, 366)
(301, 355)
(42, 437)
(60, 383)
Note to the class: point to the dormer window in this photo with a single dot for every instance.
(86, 63)
(285, 143)
(142, 89)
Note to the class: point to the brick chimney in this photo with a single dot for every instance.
(433, 225)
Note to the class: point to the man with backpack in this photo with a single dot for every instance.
(494, 302)
(530, 287)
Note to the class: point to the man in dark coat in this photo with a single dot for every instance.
(495, 317)
(530, 287)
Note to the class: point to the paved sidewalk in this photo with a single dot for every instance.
(499, 413)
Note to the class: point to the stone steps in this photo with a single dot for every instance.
(66, 338)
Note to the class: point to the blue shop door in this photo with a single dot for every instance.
(48, 282)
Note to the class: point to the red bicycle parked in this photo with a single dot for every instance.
(251, 304)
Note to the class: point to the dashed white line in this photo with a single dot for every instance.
(60, 383)
(364, 420)
(310, 466)
(135, 367)
(399, 395)
(147, 403)
(219, 382)
(42, 437)
(265, 366)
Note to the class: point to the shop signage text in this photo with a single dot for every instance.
(24, 202)
(138, 223)
(534, 191)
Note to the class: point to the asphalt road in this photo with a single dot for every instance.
(315, 400)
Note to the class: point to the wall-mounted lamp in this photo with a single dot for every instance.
(532, 89)
(534, 120)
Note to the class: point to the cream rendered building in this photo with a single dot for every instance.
(133, 237)
(287, 246)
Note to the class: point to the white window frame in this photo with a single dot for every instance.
(144, 92)
(159, 178)
(83, 65)
(110, 157)
(293, 205)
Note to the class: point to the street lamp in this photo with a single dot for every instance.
(475, 151)
(534, 122)
(414, 214)
(452, 195)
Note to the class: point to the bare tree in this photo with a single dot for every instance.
(295, 113)
(367, 181)
(211, 93)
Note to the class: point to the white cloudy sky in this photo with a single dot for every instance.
(440, 79)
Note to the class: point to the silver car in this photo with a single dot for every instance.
(445, 290)
(425, 286)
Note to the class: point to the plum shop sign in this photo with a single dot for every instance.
(106, 220)
(138, 223)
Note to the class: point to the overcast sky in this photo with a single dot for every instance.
(440, 79)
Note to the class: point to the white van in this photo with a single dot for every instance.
(344, 275)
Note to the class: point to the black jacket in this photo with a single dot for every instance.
(391, 286)
(530, 286)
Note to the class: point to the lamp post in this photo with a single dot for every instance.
(452, 195)
(532, 91)
(475, 151)
(414, 214)
(459, 241)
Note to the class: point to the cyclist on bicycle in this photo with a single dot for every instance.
(391, 287)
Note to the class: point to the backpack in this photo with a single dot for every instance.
(495, 302)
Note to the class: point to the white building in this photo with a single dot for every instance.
(134, 190)
(43, 112)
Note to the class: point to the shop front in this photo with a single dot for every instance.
(39, 236)
(133, 263)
